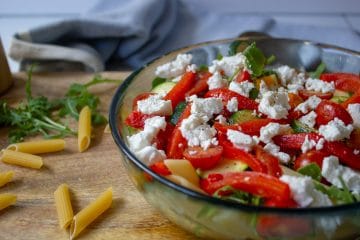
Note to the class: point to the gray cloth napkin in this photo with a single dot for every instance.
(117, 33)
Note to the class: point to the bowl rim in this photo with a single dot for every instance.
(113, 119)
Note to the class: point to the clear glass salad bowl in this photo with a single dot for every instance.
(213, 218)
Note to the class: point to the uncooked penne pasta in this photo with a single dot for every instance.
(6, 200)
(6, 177)
(21, 159)
(87, 215)
(63, 206)
(182, 168)
(41, 146)
(84, 131)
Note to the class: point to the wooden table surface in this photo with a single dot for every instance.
(87, 174)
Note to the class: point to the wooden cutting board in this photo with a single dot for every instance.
(88, 174)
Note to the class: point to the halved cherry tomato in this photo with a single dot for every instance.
(177, 93)
(203, 159)
(137, 119)
(345, 154)
(243, 76)
(312, 156)
(201, 85)
(305, 94)
(271, 162)
(294, 100)
(226, 95)
(255, 183)
(231, 152)
(139, 97)
(328, 110)
(294, 141)
(354, 140)
(160, 168)
(177, 143)
(343, 81)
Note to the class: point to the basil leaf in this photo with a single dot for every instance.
(318, 71)
(156, 81)
(255, 59)
(312, 170)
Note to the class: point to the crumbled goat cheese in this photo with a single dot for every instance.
(309, 119)
(155, 105)
(221, 119)
(206, 107)
(307, 145)
(174, 68)
(318, 85)
(275, 104)
(274, 150)
(286, 74)
(263, 88)
(216, 81)
(232, 105)
(197, 132)
(310, 104)
(304, 193)
(335, 130)
(229, 65)
(240, 140)
(177, 79)
(320, 144)
(191, 68)
(354, 110)
(294, 87)
(271, 130)
(332, 171)
(242, 88)
(150, 155)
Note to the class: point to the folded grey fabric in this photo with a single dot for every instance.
(132, 32)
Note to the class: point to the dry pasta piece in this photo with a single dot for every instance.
(21, 159)
(36, 147)
(182, 168)
(87, 215)
(84, 132)
(6, 177)
(6, 200)
(63, 206)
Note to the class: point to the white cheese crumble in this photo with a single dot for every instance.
(318, 85)
(310, 104)
(354, 110)
(320, 144)
(232, 105)
(241, 140)
(274, 104)
(206, 107)
(174, 68)
(274, 150)
(150, 155)
(271, 130)
(289, 76)
(155, 105)
(307, 145)
(332, 171)
(197, 132)
(191, 68)
(304, 193)
(335, 130)
(221, 119)
(216, 81)
(230, 65)
(309, 119)
(242, 88)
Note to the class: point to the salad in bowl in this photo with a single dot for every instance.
(246, 129)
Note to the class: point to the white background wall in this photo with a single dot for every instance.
(21, 15)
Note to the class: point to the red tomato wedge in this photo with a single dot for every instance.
(137, 119)
(328, 110)
(177, 143)
(243, 76)
(271, 162)
(255, 183)
(305, 94)
(343, 81)
(312, 156)
(201, 85)
(345, 154)
(203, 159)
(231, 152)
(225, 94)
(160, 168)
(177, 93)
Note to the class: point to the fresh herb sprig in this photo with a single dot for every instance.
(39, 115)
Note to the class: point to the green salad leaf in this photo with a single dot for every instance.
(255, 59)
(312, 170)
(237, 196)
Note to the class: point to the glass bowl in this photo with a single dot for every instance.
(213, 218)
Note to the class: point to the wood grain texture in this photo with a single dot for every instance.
(88, 174)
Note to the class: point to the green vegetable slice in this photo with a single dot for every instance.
(174, 118)
(299, 127)
(242, 116)
(157, 81)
